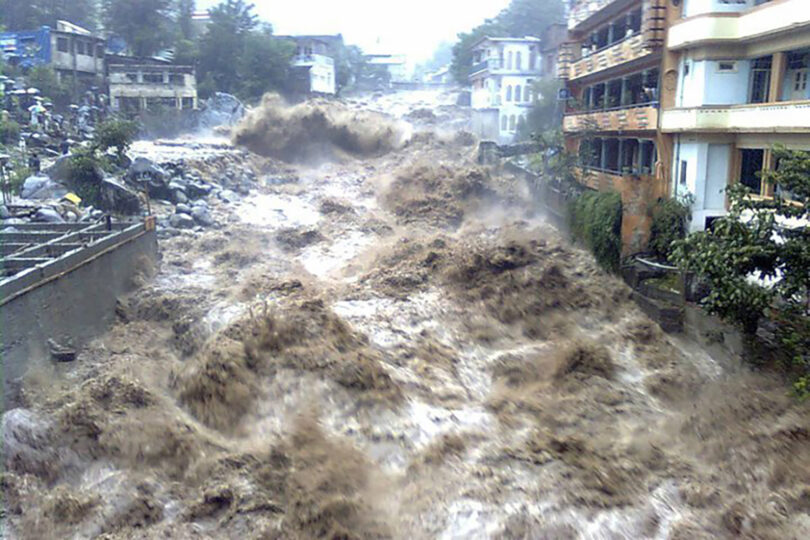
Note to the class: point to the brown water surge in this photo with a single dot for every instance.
(461, 377)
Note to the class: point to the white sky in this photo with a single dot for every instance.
(411, 27)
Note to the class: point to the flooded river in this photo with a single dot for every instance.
(397, 345)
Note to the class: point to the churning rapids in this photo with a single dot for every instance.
(385, 340)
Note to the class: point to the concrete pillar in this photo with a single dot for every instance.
(625, 91)
(603, 157)
(620, 161)
(778, 68)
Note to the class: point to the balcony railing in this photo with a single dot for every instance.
(768, 18)
(629, 118)
(583, 9)
(782, 117)
(619, 53)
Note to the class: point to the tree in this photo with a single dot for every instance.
(349, 65)
(224, 43)
(118, 134)
(31, 14)
(144, 25)
(264, 66)
(185, 13)
(546, 111)
(44, 78)
(755, 260)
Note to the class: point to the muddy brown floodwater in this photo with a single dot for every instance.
(394, 344)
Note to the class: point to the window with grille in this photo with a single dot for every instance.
(751, 169)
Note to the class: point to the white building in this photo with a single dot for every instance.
(742, 87)
(395, 64)
(313, 65)
(502, 77)
(138, 85)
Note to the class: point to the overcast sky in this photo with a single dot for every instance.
(411, 27)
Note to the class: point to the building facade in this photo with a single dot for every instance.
(140, 85)
(74, 53)
(313, 66)
(613, 65)
(742, 87)
(502, 77)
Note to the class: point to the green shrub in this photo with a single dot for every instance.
(596, 220)
(9, 132)
(17, 178)
(117, 134)
(669, 223)
(85, 177)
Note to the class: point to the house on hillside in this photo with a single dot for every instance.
(502, 77)
(395, 65)
(74, 53)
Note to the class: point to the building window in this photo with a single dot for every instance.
(62, 44)
(132, 77)
(518, 61)
(726, 67)
(518, 93)
(177, 79)
(760, 80)
(509, 93)
(751, 162)
(153, 78)
(509, 60)
(512, 123)
(528, 93)
(504, 123)
(99, 51)
(683, 172)
(188, 103)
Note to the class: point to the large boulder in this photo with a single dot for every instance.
(116, 197)
(46, 214)
(145, 167)
(221, 110)
(60, 170)
(41, 187)
(182, 221)
(202, 216)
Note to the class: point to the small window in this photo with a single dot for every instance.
(726, 67)
(751, 169)
(512, 123)
(153, 78)
(683, 172)
(504, 123)
(62, 44)
(518, 93)
(509, 93)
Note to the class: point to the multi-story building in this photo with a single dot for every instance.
(502, 77)
(741, 88)
(74, 53)
(612, 66)
(313, 64)
(139, 84)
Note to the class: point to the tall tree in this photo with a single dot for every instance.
(144, 24)
(31, 14)
(264, 66)
(224, 44)
(185, 14)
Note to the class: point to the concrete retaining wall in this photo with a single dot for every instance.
(71, 301)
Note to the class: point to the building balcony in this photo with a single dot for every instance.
(617, 54)
(782, 117)
(495, 66)
(755, 23)
(583, 12)
(312, 59)
(642, 117)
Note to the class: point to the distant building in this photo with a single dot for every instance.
(440, 76)
(73, 52)
(396, 65)
(314, 64)
(502, 75)
(144, 84)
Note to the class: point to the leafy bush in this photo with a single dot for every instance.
(117, 134)
(85, 177)
(17, 178)
(9, 132)
(669, 224)
(596, 220)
